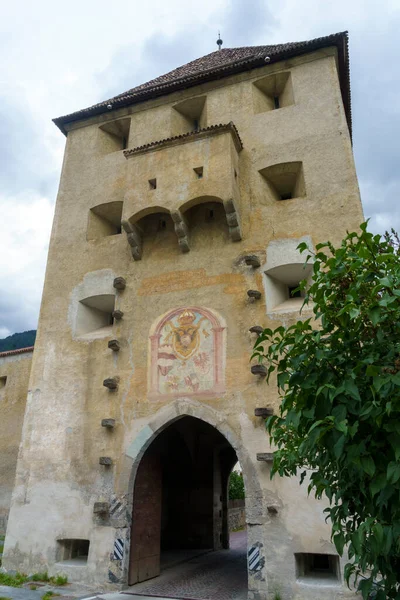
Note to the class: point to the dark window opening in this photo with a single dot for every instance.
(196, 124)
(320, 562)
(73, 550)
(199, 172)
(211, 214)
(318, 566)
(162, 224)
(234, 170)
(276, 102)
(152, 184)
(3, 381)
(286, 196)
(294, 292)
(124, 143)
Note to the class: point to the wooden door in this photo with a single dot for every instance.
(144, 560)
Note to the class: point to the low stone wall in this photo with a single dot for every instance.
(236, 514)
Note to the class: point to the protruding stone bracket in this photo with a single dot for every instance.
(232, 218)
(181, 230)
(263, 412)
(119, 283)
(259, 370)
(265, 457)
(256, 329)
(134, 236)
(111, 383)
(117, 314)
(254, 294)
(114, 345)
(252, 260)
(108, 423)
(101, 508)
(106, 461)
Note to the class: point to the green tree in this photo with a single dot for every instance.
(339, 383)
(236, 486)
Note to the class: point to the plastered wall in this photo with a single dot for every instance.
(16, 368)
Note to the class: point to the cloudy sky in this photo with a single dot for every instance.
(59, 56)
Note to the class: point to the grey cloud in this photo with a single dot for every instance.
(247, 23)
(241, 23)
(25, 161)
(376, 119)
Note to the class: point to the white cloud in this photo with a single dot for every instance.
(24, 232)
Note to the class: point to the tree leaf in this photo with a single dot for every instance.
(393, 472)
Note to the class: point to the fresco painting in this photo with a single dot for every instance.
(187, 354)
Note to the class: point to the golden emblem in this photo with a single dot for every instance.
(185, 336)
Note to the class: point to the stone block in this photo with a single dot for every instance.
(254, 294)
(263, 412)
(114, 345)
(101, 508)
(252, 260)
(256, 329)
(106, 461)
(119, 283)
(265, 456)
(111, 383)
(259, 370)
(109, 423)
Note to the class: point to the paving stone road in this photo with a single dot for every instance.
(220, 575)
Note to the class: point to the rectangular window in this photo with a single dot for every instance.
(317, 566)
(3, 381)
(75, 551)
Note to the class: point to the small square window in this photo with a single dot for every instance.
(3, 381)
(317, 566)
(199, 172)
(152, 184)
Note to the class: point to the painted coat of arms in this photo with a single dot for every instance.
(187, 353)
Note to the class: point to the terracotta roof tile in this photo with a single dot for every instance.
(222, 63)
(17, 351)
(199, 133)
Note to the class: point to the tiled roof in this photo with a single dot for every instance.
(199, 133)
(18, 351)
(222, 63)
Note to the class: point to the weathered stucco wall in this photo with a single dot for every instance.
(59, 477)
(15, 367)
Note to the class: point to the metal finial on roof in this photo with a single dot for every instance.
(219, 41)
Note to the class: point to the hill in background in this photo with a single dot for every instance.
(18, 340)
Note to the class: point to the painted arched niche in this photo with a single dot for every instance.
(187, 354)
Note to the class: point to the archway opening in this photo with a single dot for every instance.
(206, 219)
(180, 515)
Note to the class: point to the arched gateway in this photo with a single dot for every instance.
(178, 499)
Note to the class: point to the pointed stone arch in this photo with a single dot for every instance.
(146, 435)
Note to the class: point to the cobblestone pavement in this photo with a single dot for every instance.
(220, 575)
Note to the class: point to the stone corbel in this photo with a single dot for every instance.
(232, 218)
(134, 235)
(181, 230)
